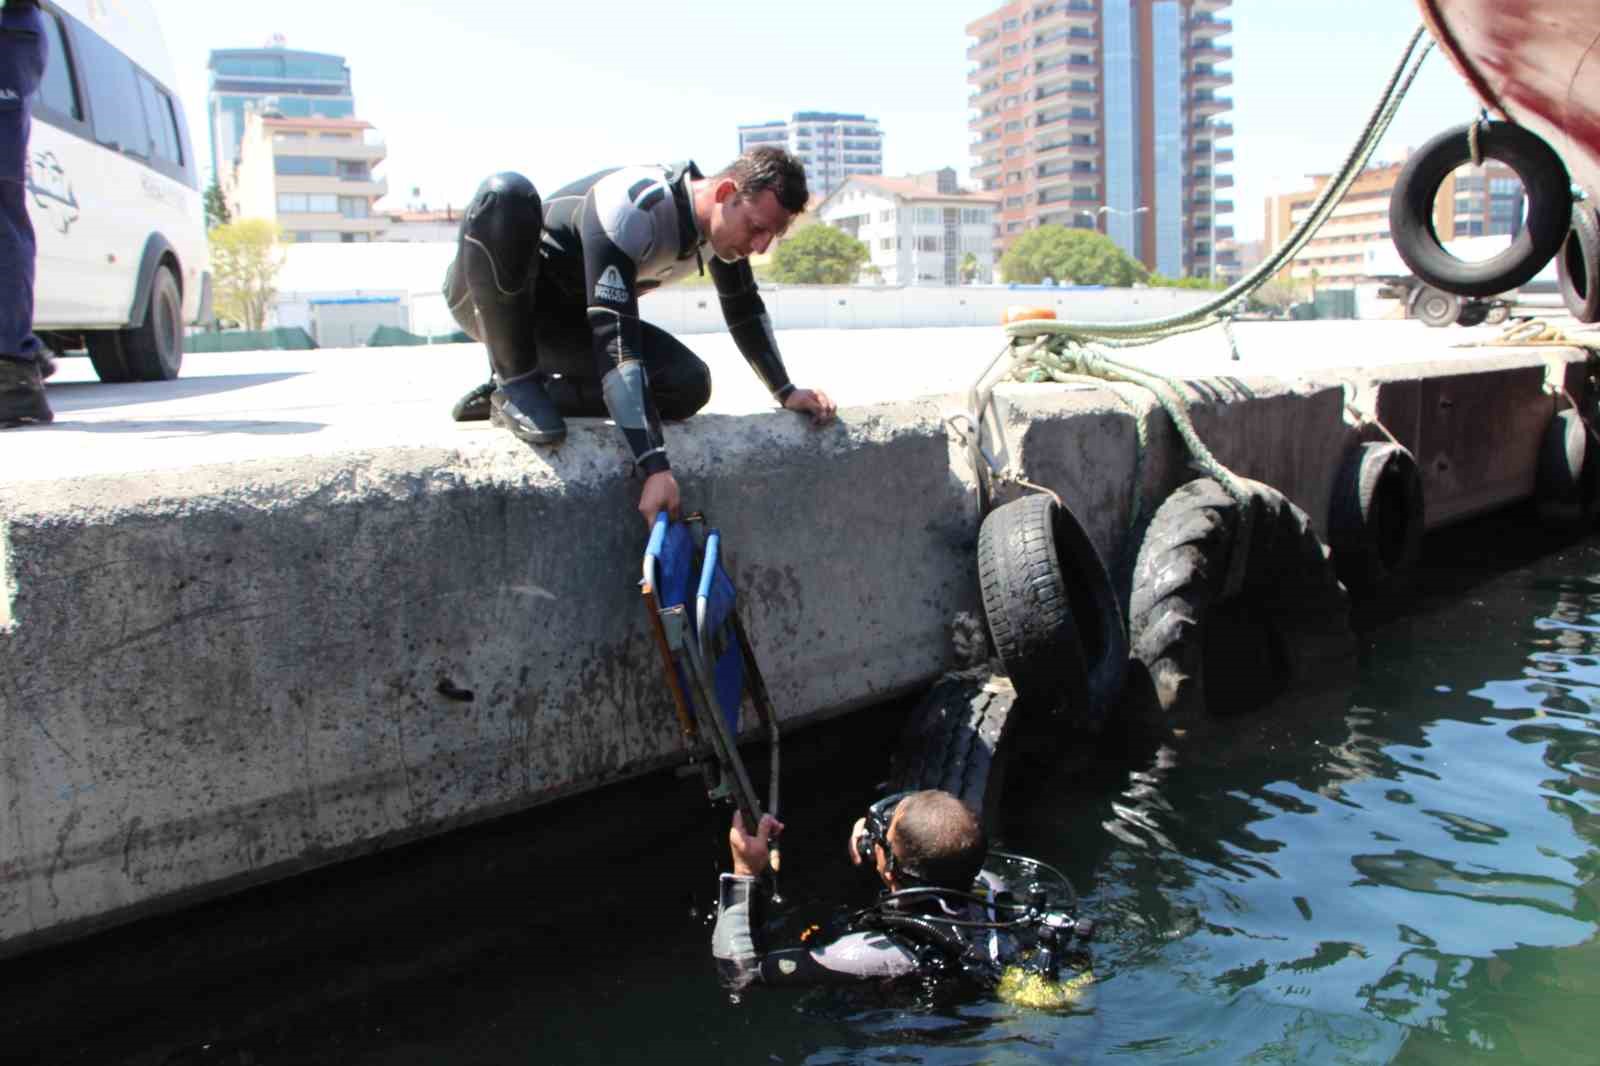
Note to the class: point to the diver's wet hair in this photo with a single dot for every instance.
(769, 167)
(938, 840)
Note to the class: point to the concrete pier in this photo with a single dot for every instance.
(283, 611)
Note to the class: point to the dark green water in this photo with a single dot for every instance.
(1401, 870)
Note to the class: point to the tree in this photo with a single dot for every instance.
(1276, 296)
(1078, 256)
(969, 268)
(818, 255)
(245, 259)
(217, 213)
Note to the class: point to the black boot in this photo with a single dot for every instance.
(22, 394)
(525, 408)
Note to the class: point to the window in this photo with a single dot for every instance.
(355, 238)
(1014, 178)
(57, 92)
(886, 216)
(1013, 201)
(299, 165)
(353, 171)
(1013, 126)
(928, 244)
(886, 244)
(1014, 151)
(928, 216)
(165, 143)
(354, 207)
(974, 216)
(114, 96)
(295, 203)
(289, 135)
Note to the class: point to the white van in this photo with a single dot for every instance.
(114, 193)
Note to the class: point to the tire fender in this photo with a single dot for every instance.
(959, 738)
(1578, 264)
(1375, 523)
(1051, 609)
(1294, 614)
(1567, 482)
(1544, 180)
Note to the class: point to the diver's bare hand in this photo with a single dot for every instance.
(812, 402)
(857, 831)
(660, 493)
(750, 853)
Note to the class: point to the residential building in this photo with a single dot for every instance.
(312, 175)
(833, 146)
(918, 229)
(1106, 114)
(295, 84)
(1472, 202)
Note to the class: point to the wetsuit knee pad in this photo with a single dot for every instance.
(505, 219)
(685, 390)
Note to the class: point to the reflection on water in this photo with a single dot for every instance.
(1402, 871)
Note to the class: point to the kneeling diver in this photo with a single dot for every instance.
(942, 914)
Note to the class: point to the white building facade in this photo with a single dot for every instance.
(833, 146)
(313, 176)
(918, 230)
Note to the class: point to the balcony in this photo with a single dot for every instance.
(1210, 79)
(1045, 150)
(1079, 13)
(979, 47)
(1208, 51)
(984, 170)
(1207, 26)
(1210, 105)
(1209, 6)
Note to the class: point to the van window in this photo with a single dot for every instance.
(163, 127)
(57, 91)
(113, 96)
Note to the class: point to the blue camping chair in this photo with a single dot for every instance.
(710, 666)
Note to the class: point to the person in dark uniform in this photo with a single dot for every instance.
(928, 840)
(551, 287)
(22, 59)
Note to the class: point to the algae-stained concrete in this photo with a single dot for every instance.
(213, 674)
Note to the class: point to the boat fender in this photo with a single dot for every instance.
(1544, 180)
(1196, 649)
(1567, 481)
(1375, 522)
(1051, 610)
(1578, 264)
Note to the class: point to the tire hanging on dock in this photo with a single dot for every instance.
(1375, 522)
(1196, 650)
(1567, 481)
(1051, 610)
(1549, 197)
(959, 738)
(1578, 263)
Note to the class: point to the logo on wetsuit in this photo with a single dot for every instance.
(611, 287)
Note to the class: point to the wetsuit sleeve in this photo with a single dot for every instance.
(611, 287)
(747, 320)
(741, 962)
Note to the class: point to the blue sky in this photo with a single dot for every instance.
(462, 89)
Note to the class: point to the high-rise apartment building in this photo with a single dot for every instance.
(1106, 114)
(296, 84)
(832, 146)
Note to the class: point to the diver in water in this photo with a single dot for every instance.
(941, 912)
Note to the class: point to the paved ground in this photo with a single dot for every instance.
(232, 407)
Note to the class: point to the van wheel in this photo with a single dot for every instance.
(153, 350)
(1436, 308)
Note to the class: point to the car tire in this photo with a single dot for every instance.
(152, 350)
(1435, 308)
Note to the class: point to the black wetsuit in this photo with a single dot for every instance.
(606, 240)
(861, 955)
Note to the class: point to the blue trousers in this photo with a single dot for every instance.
(22, 58)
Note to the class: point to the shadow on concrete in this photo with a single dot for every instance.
(71, 395)
(171, 427)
